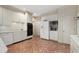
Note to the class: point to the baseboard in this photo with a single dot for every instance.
(20, 41)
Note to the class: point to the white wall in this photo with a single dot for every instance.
(51, 17)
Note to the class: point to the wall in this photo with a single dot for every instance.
(51, 17)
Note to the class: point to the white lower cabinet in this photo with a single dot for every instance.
(13, 37)
(19, 36)
(54, 35)
(7, 38)
(23, 35)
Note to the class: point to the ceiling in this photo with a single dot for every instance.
(38, 9)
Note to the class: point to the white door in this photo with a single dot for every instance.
(69, 25)
(66, 30)
(44, 30)
(36, 28)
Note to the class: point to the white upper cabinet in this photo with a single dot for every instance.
(23, 18)
(15, 20)
(0, 16)
(3, 17)
(77, 10)
(29, 18)
(16, 17)
(9, 17)
(6, 17)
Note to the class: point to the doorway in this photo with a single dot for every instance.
(36, 28)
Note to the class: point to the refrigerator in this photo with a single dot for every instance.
(44, 30)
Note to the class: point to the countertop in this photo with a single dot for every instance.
(10, 31)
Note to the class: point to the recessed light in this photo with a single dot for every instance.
(24, 9)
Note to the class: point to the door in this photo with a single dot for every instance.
(66, 30)
(29, 29)
(69, 28)
(44, 30)
(36, 28)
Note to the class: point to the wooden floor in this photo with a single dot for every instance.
(37, 45)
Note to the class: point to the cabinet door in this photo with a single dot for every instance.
(78, 27)
(54, 35)
(9, 17)
(17, 37)
(23, 18)
(17, 18)
(0, 16)
(23, 35)
(3, 16)
(7, 38)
